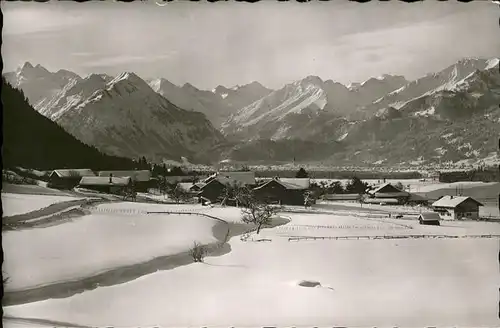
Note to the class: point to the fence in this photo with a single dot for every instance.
(391, 237)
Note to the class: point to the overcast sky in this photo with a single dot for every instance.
(210, 44)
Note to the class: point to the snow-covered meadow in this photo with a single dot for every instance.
(364, 283)
(96, 243)
(403, 282)
(14, 204)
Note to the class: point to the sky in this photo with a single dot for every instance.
(229, 43)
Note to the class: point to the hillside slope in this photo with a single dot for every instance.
(34, 141)
(128, 118)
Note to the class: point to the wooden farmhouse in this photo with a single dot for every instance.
(388, 194)
(213, 187)
(283, 191)
(141, 179)
(68, 178)
(111, 185)
(457, 207)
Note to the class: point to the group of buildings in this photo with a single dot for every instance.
(115, 182)
(285, 191)
(281, 191)
(445, 208)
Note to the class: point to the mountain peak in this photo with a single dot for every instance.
(492, 63)
(97, 77)
(27, 65)
(128, 78)
(313, 79)
(189, 86)
(220, 89)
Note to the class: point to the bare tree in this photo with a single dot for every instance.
(237, 192)
(308, 199)
(258, 213)
(178, 194)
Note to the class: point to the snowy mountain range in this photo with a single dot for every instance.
(282, 112)
(37, 83)
(449, 116)
(217, 104)
(384, 120)
(120, 116)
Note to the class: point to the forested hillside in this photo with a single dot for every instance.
(31, 140)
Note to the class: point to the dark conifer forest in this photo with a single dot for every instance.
(31, 140)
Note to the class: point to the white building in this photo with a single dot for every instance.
(457, 207)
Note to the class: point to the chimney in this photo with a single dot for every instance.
(110, 178)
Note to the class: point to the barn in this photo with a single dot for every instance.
(245, 178)
(68, 178)
(283, 191)
(111, 185)
(429, 218)
(212, 190)
(457, 207)
(190, 187)
(388, 191)
(141, 179)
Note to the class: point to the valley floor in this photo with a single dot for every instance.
(446, 277)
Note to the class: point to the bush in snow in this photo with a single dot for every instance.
(198, 252)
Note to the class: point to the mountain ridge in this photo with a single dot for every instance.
(324, 111)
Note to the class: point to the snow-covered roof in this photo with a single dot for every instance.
(68, 173)
(384, 186)
(391, 194)
(381, 201)
(298, 183)
(244, 178)
(429, 216)
(104, 181)
(187, 186)
(139, 175)
(291, 184)
(453, 201)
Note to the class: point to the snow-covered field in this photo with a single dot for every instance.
(96, 243)
(404, 282)
(14, 204)
(365, 283)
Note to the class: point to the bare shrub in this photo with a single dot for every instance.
(198, 252)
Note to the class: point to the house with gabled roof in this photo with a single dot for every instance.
(429, 218)
(141, 179)
(192, 188)
(245, 178)
(387, 193)
(68, 178)
(111, 185)
(212, 190)
(283, 191)
(457, 207)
